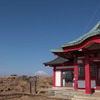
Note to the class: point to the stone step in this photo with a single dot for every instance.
(72, 92)
(75, 95)
(58, 93)
(62, 88)
(52, 92)
(84, 98)
(69, 93)
(62, 95)
(81, 99)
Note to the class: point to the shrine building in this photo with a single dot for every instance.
(78, 63)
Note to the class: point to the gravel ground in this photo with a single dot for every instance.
(37, 97)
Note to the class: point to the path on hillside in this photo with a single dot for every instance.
(36, 98)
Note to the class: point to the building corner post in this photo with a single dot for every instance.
(87, 76)
(75, 73)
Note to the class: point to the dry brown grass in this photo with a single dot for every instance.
(21, 84)
(43, 83)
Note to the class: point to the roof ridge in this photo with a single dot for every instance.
(95, 27)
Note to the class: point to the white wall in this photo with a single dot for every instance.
(58, 78)
(81, 84)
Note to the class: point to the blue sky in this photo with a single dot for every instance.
(30, 28)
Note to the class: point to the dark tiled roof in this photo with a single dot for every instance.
(58, 60)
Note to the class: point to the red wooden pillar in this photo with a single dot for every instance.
(87, 76)
(75, 73)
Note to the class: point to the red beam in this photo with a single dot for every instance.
(94, 58)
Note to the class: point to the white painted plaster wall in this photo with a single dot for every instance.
(58, 78)
(81, 84)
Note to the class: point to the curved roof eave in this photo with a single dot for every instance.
(93, 32)
(56, 50)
